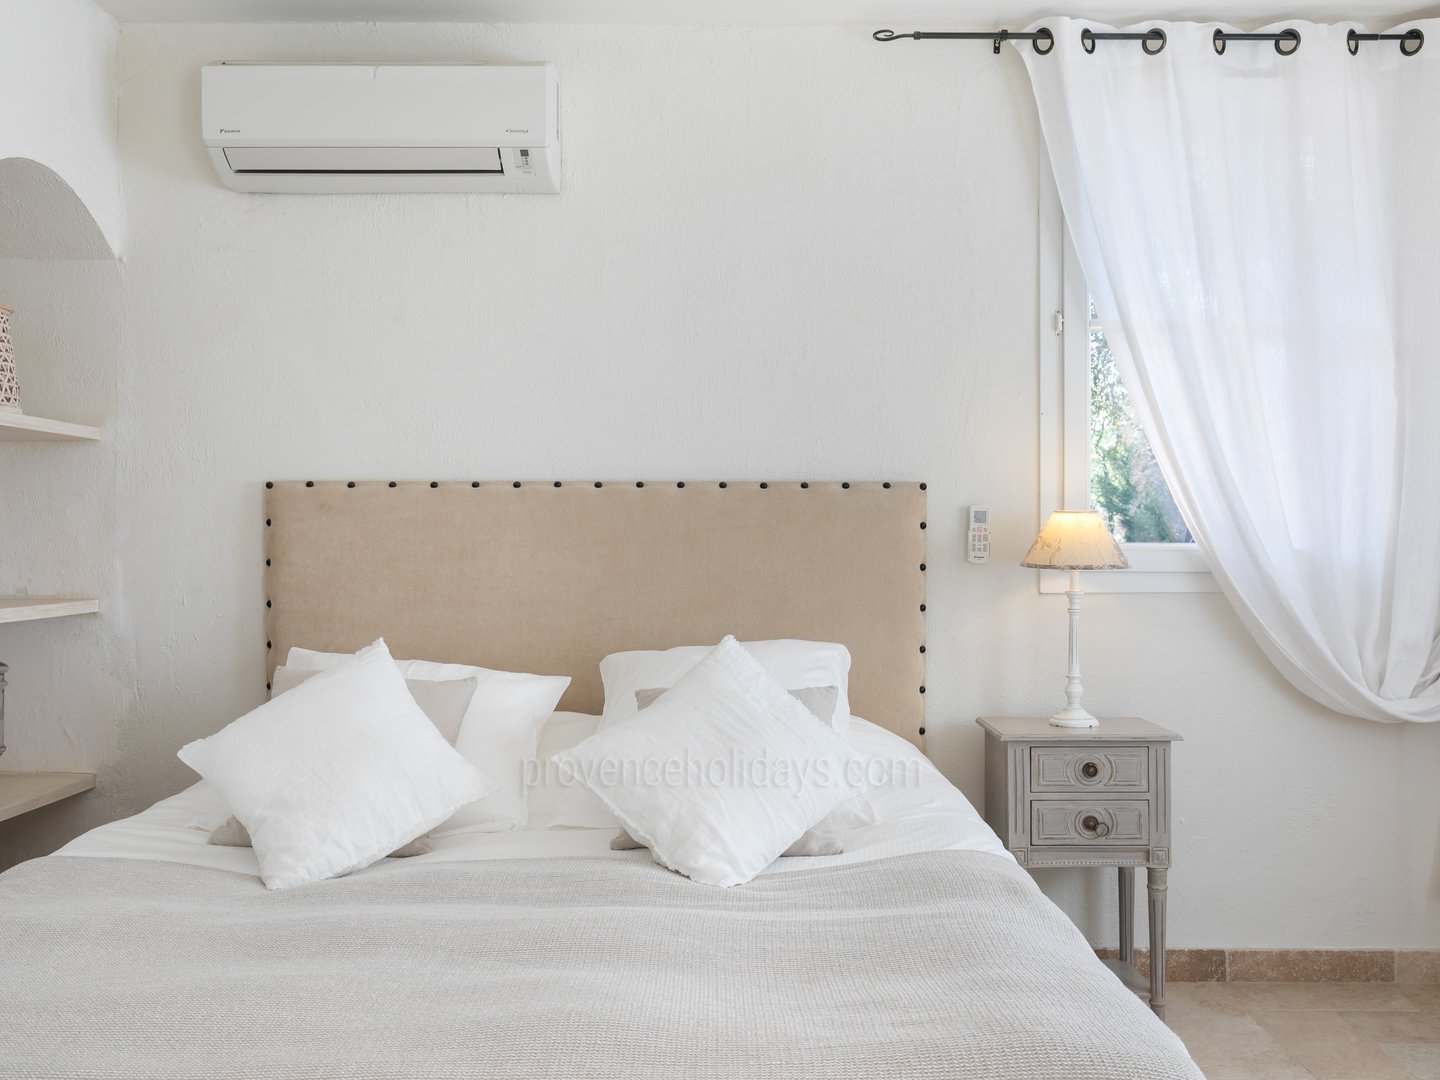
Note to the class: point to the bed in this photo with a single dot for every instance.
(139, 950)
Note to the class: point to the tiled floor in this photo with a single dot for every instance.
(1309, 1031)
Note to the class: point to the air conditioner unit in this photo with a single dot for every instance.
(382, 127)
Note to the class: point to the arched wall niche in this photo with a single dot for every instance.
(41, 217)
(68, 678)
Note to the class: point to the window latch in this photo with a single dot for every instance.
(1059, 322)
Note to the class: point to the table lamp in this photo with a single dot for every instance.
(1075, 540)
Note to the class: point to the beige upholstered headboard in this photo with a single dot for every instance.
(550, 577)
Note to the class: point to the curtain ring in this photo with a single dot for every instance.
(1044, 34)
(1154, 36)
(1288, 36)
(1411, 41)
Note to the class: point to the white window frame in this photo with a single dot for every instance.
(1065, 419)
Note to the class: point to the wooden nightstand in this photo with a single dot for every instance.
(1088, 797)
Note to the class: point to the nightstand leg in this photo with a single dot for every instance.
(1155, 879)
(1127, 914)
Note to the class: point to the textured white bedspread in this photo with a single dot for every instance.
(940, 964)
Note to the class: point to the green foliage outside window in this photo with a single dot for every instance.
(1125, 481)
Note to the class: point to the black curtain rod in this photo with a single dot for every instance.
(998, 37)
(1152, 41)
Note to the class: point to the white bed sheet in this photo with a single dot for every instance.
(916, 810)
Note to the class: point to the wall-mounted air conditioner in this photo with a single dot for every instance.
(382, 127)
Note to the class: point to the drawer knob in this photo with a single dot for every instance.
(1090, 770)
(1092, 824)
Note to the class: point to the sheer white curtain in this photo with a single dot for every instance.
(1261, 236)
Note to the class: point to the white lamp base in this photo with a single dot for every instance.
(1073, 716)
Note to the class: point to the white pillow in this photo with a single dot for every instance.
(721, 774)
(498, 734)
(546, 789)
(337, 773)
(793, 664)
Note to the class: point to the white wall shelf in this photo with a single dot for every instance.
(17, 427)
(28, 608)
(22, 792)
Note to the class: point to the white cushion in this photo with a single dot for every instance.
(547, 789)
(793, 664)
(498, 735)
(337, 773)
(721, 774)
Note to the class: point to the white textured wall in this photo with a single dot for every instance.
(57, 90)
(779, 253)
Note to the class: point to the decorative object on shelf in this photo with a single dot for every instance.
(1075, 540)
(9, 386)
(3, 669)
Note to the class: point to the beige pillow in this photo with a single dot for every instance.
(233, 834)
(820, 702)
(812, 842)
(444, 702)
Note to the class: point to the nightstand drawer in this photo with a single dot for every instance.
(1072, 823)
(1089, 768)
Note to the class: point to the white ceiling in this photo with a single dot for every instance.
(897, 14)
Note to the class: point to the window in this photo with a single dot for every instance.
(1093, 452)
(1125, 481)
